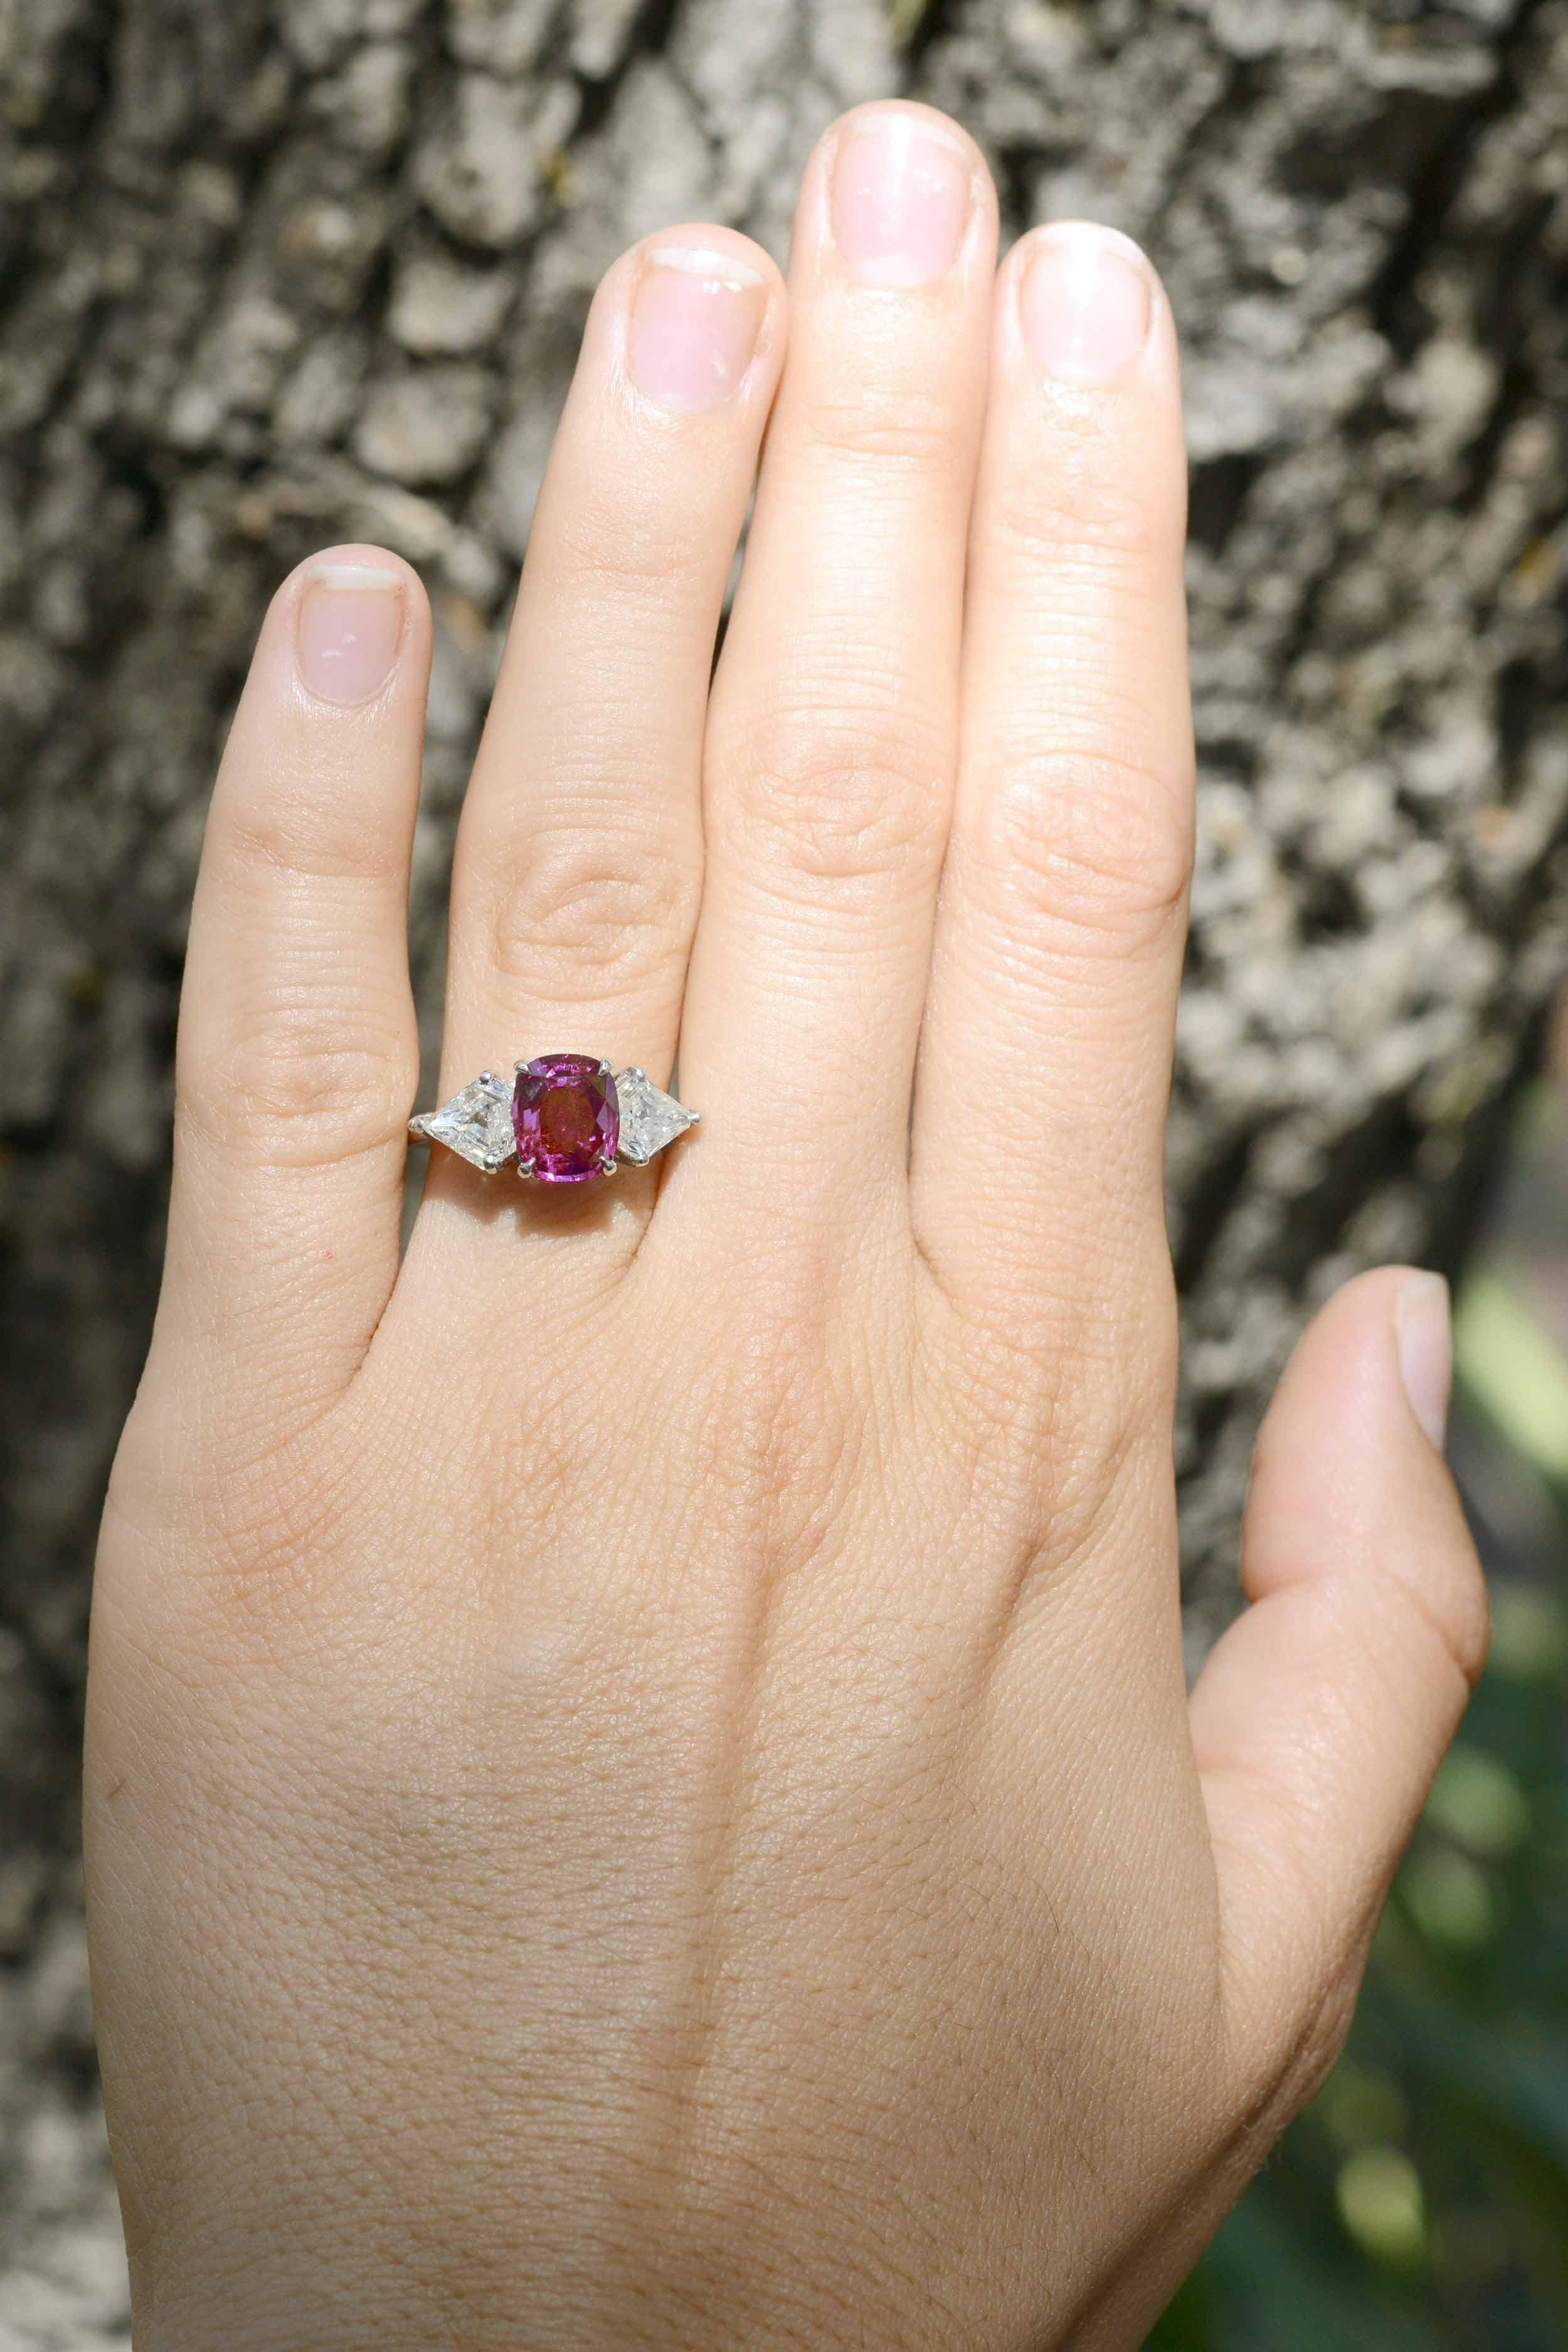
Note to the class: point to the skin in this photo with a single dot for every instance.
(640, 1790)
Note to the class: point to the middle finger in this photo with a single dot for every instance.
(832, 728)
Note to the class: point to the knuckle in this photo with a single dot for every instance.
(1099, 847)
(634, 547)
(779, 1446)
(1449, 1617)
(274, 1557)
(1464, 1620)
(302, 1087)
(1087, 513)
(1068, 1409)
(301, 836)
(1077, 1433)
(902, 427)
(596, 910)
(842, 795)
(1080, 546)
(265, 1518)
(1106, 1467)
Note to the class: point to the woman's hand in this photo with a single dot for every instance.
(640, 1790)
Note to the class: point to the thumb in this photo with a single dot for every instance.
(1322, 1717)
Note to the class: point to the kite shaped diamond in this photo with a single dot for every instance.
(475, 1124)
(649, 1118)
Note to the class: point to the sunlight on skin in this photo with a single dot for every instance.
(640, 1783)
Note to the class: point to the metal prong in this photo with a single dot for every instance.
(607, 1167)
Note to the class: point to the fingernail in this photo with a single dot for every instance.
(349, 630)
(900, 199)
(694, 326)
(1085, 302)
(1423, 1328)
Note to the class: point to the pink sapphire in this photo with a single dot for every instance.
(565, 1117)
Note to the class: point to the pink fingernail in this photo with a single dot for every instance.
(694, 326)
(902, 193)
(349, 630)
(1086, 301)
(1423, 1330)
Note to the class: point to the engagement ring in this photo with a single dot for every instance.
(565, 1119)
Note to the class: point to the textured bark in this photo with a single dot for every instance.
(276, 272)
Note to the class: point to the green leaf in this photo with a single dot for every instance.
(1515, 1371)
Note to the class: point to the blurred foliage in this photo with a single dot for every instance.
(1421, 2204)
(905, 18)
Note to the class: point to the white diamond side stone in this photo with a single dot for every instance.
(475, 1124)
(649, 1118)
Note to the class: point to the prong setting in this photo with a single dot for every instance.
(483, 1122)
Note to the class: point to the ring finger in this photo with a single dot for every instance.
(578, 864)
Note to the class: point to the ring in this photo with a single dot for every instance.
(565, 1118)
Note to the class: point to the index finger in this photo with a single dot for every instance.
(1039, 1142)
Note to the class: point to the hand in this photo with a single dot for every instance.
(640, 1790)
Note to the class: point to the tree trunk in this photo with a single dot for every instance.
(278, 272)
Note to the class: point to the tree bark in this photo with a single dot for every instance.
(278, 272)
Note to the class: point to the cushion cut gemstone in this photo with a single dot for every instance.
(566, 1118)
